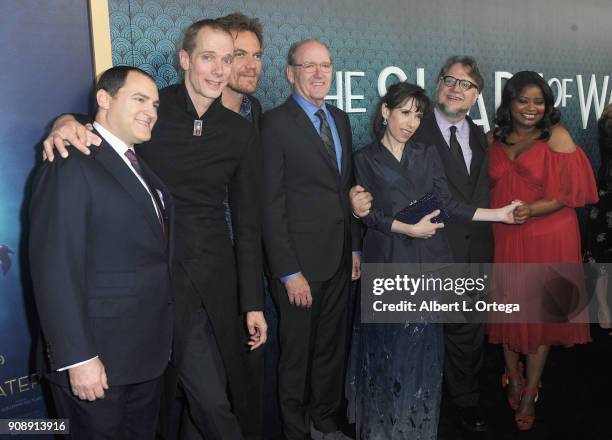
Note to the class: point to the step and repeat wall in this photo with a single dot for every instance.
(47, 69)
(376, 43)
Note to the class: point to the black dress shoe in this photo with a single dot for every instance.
(473, 419)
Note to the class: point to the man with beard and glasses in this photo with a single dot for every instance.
(463, 149)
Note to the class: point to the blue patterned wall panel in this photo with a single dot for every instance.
(558, 38)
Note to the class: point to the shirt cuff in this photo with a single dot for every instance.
(289, 277)
(357, 253)
(77, 364)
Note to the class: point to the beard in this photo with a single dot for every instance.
(457, 113)
(242, 88)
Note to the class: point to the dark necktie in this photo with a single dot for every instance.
(326, 135)
(161, 213)
(456, 148)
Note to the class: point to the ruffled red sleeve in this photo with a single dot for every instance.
(569, 179)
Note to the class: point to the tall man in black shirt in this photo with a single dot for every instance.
(200, 150)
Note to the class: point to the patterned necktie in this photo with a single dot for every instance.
(161, 213)
(456, 148)
(326, 135)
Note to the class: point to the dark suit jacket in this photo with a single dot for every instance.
(471, 242)
(307, 225)
(101, 267)
(393, 186)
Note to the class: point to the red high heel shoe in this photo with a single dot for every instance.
(524, 422)
(514, 398)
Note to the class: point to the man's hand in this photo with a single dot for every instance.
(298, 291)
(88, 381)
(356, 270)
(67, 131)
(258, 329)
(361, 201)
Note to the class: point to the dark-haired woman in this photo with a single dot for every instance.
(536, 161)
(598, 243)
(395, 381)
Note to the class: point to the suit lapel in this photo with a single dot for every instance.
(395, 171)
(166, 198)
(478, 149)
(110, 160)
(386, 159)
(313, 138)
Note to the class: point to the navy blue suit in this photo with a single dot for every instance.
(101, 268)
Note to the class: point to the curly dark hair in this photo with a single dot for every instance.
(512, 90)
(396, 95)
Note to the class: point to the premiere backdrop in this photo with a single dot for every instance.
(567, 41)
(46, 69)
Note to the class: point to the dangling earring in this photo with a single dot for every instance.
(385, 122)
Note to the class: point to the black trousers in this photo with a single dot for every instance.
(127, 412)
(251, 414)
(312, 355)
(463, 360)
(201, 374)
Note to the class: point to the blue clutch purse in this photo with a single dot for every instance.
(417, 209)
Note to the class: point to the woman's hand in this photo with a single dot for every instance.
(424, 228)
(522, 213)
(508, 214)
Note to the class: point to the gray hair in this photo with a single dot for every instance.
(295, 46)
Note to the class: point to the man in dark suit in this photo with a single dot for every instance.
(308, 237)
(463, 151)
(100, 260)
(462, 146)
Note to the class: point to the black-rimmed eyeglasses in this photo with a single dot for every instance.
(451, 81)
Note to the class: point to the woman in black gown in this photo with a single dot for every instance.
(395, 378)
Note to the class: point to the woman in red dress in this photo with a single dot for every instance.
(534, 160)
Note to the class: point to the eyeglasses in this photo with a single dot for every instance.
(311, 67)
(451, 81)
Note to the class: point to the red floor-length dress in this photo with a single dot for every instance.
(538, 173)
